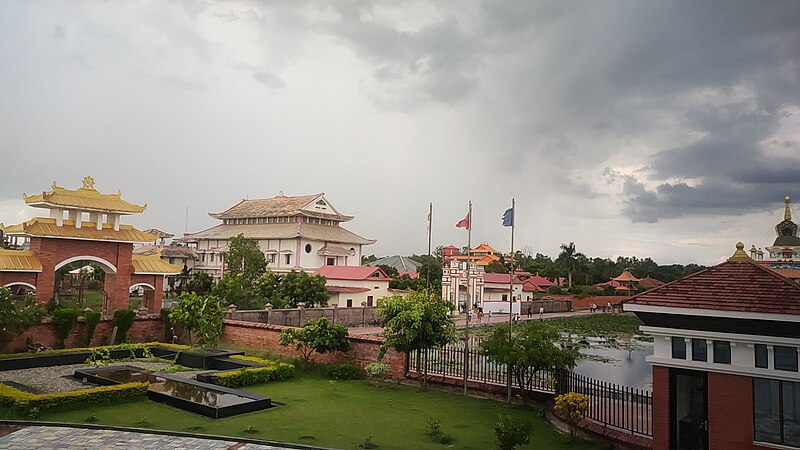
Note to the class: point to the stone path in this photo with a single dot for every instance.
(60, 438)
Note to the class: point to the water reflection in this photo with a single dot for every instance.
(177, 389)
(620, 366)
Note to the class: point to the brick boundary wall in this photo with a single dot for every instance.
(296, 317)
(365, 349)
(144, 329)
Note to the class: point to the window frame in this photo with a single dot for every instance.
(717, 358)
(673, 340)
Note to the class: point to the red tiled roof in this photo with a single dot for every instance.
(412, 275)
(530, 287)
(352, 273)
(345, 289)
(625, 276)
(499, 278)
(731, 286)
(540, 281)
(649, 283)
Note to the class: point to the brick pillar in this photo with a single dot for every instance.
(159, 294)
(45, 282)
(660, 408)
(120, 286)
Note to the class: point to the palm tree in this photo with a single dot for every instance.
(569, 260)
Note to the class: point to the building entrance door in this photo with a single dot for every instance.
(688, 410)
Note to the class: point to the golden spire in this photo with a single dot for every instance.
(787, 211)
(739, 255)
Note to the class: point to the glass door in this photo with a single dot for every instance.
(688, 410)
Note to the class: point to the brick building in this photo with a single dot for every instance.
(83, 225)
(725, 361)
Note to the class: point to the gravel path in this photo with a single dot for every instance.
(59, 378)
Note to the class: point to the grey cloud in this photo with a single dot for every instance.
(269, 79)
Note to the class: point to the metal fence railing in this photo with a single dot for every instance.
(622, 407)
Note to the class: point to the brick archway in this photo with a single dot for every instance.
(105, 265)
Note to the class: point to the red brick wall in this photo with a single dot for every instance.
(365, 349)
(730, 412)
(660, 408)
(143, 330)
(24, 277)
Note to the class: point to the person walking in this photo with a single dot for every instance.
(490, 316)
(530, 311)
(541, 313)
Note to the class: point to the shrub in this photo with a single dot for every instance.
(123, 320)
(92, 319)
(320, 337)
(276, 371)
(377, 372)
(512, 432)
(28, 403)
(16, 316)
(571, 406)
(201, 316)
(435, 431)
(64, 320)
(344, 371)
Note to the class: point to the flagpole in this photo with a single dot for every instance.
(511, 292)
(430, 226)
(469, 298)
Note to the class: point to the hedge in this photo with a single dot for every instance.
(14, 398)
(275, 371)
(252, 359)
(60, 351)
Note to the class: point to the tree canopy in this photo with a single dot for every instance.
(316, 337)
(200, 316)
(245, 257)
(415, 322)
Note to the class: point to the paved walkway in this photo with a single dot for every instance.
(460, 320)
(62, 438)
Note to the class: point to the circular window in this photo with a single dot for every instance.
(308, 248)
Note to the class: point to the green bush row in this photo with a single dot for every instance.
(34, 403)
(343, 371)
(276, 371)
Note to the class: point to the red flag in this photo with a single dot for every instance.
(464, 223)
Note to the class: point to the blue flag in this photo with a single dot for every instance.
(508, 218)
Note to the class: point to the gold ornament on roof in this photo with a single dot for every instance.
(739, 254)
(88, 183)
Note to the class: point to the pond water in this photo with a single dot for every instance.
(618, 366)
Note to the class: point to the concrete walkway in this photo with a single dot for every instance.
(461, 319)
(63, 438)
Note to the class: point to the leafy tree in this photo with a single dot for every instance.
(534, 348)
(123, 320)
(390, 270)
(17, 316)
(415, 322)
(496, 267)
(64, 319)
(236, 289)
(245, 257)
(201, 316)
(570, 260)
(434, 266)
(299, 286)
(316, 337)
(201, 283)
(368, 259)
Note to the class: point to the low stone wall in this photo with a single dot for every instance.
(550, 306)
(365, 349)
(145, 329)
(350, 317)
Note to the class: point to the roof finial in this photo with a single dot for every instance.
(787, 211)
(88, 183)
(739, 255)
(280, 195)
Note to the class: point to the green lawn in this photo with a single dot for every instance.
(341, 415)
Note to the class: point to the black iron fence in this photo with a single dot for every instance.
(622, 407)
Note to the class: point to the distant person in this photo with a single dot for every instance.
(541, 313)
(490, 317)
(610, 308)
(530, 311)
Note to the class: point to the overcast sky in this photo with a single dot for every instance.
(648, 128)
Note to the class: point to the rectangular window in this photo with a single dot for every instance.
(505, 297)
(722, 352)
(762, 356)
(330, 262)
(699, 350)
(272, 258)
(369, 300)
(212, 257)
(349, 302)
(288, 259)
(776, 411)
(785, 358)
(678, 348)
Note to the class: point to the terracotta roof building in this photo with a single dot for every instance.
(725, 358)
(349, 286)
(295, 233)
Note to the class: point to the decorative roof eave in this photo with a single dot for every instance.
(152, 265)
(46, 227)
(19, 261)
(85, 198)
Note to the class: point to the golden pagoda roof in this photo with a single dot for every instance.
(153, 265)
(19, 261)
(46, 227)
(626, 276)
(484, 248)
(85, 198)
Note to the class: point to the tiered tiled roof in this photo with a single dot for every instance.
(46, 227)
(278, 206)
(141, 264)
(626, 276)
(280, 231)
(738, 285)
(85, 198)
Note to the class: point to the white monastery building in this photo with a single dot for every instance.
(295, 233)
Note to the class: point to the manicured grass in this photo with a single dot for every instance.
(342, 415)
